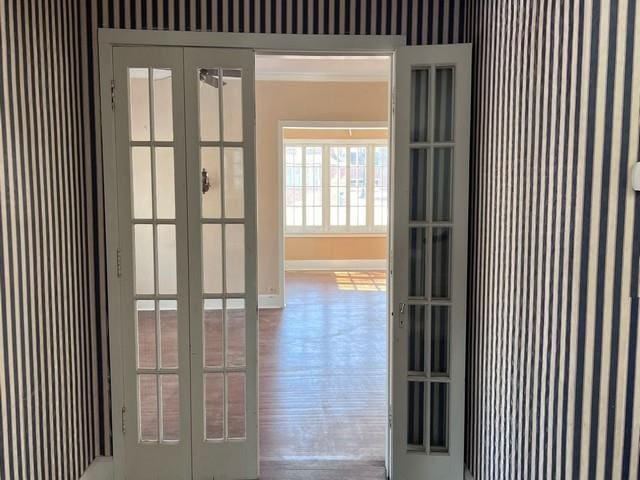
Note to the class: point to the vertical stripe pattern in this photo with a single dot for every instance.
(553, 379)
(49, 378)
(553, 384)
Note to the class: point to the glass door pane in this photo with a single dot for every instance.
(221, 183)
(429, 270)
(150, 156)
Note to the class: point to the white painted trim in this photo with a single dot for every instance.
(332, 265)
(100, 469)
(263, 43)
(270, 301)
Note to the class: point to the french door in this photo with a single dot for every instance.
(429, 261)
(184, 149)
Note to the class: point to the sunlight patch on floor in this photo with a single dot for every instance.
(361, 281)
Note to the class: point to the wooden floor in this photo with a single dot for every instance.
(322, 378)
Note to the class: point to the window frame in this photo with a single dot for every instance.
(369, 229)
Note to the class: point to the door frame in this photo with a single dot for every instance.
(260, 43)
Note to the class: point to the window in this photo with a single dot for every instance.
(336, 187)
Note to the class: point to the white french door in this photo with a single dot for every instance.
(185, 194)
(429, 263)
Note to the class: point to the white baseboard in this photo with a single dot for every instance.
(375, 264)
(100, 469)
(270, 301)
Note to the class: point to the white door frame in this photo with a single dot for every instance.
(260, 43)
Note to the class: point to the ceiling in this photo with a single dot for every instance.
(322, 68)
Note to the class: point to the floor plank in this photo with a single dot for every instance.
(323, 370)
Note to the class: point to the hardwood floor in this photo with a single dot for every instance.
(323, 378)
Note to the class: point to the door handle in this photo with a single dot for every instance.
(402, 309)
(206, 183)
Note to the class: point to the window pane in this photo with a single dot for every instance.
(211, 258)
(416, 337)
(417, 261)
(234, 253)
(210, 174)
(233, 183)
(441, 184)
(213, 333)
(170, 407)
(144, 272)
(209, 82)
(214, 406)
(381, 186)
(141, 182)
(167, 268)
(236, 405)
(439, 416)
(358, 186)
(441, 263)
(419, 105)
(232, 105)
(146, 332)
(418, 185)
(415, 417)
(165, 183)
(148, 407)
(440, 340)
(443, 127)
(168, 319)
(235, 316)
(162, 105)
(139, 113)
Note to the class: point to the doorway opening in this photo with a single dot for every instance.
(322, 150)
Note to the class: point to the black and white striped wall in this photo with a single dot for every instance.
(554, 372)
(553, 387)
(50, 375)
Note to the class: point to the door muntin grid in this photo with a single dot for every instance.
(222, 230)
(153, 231)
(430, 241)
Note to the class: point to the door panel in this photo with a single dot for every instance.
(222, 261)
(430, 261)
(152, 210)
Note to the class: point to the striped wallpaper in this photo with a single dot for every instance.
(553, 372)
(553, 387)
(49, 369)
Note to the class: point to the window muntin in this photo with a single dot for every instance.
(336, 186)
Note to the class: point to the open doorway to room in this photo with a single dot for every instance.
(322, 131)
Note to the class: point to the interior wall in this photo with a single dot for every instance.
(553, 379)
(50, 373)
(335, 248)
(313, 101)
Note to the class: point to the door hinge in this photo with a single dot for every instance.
(113, 94)
(124, 429)
(118, 263)
(389, 421)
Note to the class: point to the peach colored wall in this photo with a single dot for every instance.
(335, 248)
(313, 101)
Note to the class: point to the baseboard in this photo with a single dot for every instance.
(270, 301)
(100, 469)
(366, 264)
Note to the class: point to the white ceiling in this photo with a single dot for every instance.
(322, 68)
